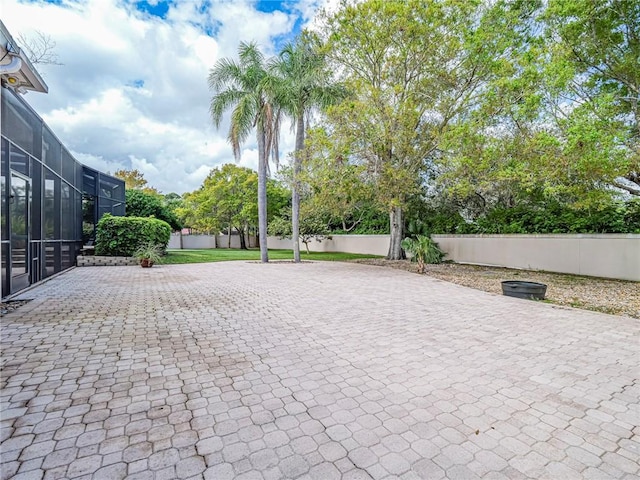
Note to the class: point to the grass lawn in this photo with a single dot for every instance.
(225, 254)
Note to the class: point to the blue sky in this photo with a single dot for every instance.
(159, 9)
(132, 91)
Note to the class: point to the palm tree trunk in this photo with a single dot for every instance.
(262, 193)
(295, 192)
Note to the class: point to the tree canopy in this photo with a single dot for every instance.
(227, 200)
(472, 116)
(412, 68)
(560, 119)
(134, 180)
(142, 204)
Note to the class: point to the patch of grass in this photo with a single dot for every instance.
(175, 257)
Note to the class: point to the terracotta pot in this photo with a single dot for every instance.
(146, 263)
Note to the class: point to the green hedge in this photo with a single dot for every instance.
(121, 236)
(541, 218)
(617, 217)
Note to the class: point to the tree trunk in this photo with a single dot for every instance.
(243, 243)
(181, 247)
(295, 191)
(229, 237)
(262, 194)
(397, 230)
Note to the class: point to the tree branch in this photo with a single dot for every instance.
(40, 48)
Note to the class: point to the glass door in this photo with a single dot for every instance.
(19, 213)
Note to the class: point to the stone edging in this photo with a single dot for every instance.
(104, 261)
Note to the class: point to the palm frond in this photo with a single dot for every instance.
(275, 132)
(225, 73)
(242, 122)
(301, 80)
(270, 124)
(250, 87)
(250, 54)
(221, 102)
(325, 96)
(234, 140)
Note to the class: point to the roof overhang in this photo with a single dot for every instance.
(16, 70)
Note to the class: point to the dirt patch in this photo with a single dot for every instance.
(616, 297)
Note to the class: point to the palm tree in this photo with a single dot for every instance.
(301, 82)
(243, 87)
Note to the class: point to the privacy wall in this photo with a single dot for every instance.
(602, 255)
(196, 242)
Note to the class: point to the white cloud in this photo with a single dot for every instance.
(132, 91)
(98, 163)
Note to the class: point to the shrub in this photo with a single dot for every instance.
(632, 216)
(310, 227)
(423, 250)
(143, 204)
(433, 220)
(554, 217)
(122, 236)
(536, 218)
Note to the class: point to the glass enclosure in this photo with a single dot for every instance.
(50, 203)
(101, 194)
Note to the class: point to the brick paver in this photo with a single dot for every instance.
(318, 370)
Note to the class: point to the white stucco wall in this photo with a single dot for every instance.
(207, 241)
(368, 244)
(601, 255)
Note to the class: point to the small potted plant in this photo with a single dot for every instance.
(148, 254)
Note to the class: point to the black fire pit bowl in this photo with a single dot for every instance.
(520, 289)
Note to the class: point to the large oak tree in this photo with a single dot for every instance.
(411, 67)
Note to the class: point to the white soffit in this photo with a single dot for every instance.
(16, 69)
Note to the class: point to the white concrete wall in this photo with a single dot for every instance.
(368, 244)
(601, 255)
(207, 241)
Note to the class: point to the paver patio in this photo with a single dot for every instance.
(318, 370)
